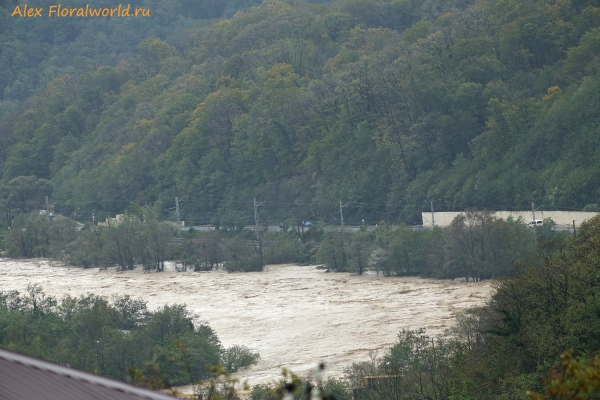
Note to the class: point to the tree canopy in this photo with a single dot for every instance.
(385, 105)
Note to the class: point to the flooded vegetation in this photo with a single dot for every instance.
(293, 316)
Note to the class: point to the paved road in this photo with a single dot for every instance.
(276, 228)
(354, 228)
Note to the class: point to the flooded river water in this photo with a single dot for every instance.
(294, 316)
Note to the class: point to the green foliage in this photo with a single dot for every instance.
(284, 247)
(577, 380)
(88, 250)
(336, 389)
(534, 316)
(220, 386)
(384, 105)
(505, 349)
(417, 366)
(237, 358)
(29, 237)
(25, 193)
(119, 339)
(481, 246)
(333, 251)
(476, 246)
(37, 53)
(137, 237)
(242, 255)
(202, 253)
(292, 387)
(405, 251)
(35, 235)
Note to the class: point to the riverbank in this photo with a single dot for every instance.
(294, 316)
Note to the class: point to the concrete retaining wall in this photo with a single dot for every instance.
(561, 218)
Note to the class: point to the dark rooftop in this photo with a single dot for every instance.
(23, 377)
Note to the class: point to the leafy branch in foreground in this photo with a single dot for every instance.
(578, 379)
(292, 387)
(221, 386)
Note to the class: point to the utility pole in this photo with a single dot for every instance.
(256, 218)
(47, 211)
(534, 223)
(342, 213)
(260, 254)
(299, 225)
(178, 216)
(432, 216)
(342, 232)
(256, 205)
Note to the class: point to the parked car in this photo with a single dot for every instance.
(537, 222)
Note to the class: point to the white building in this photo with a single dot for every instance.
(561, 218)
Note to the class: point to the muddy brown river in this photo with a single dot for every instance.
(294, 316)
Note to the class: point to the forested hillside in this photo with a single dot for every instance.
(386, 106)
(36, 50)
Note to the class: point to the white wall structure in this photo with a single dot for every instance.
(117, 220)
(560, 218)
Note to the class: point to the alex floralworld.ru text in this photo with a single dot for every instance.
(59, 11)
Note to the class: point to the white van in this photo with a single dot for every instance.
(537, 222)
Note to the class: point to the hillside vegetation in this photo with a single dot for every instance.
(378, 108)
(384, 105)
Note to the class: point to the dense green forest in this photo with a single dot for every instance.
(36, 51)
(118, 337)
(384, 105)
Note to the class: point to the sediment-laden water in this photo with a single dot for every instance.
(294, 316)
